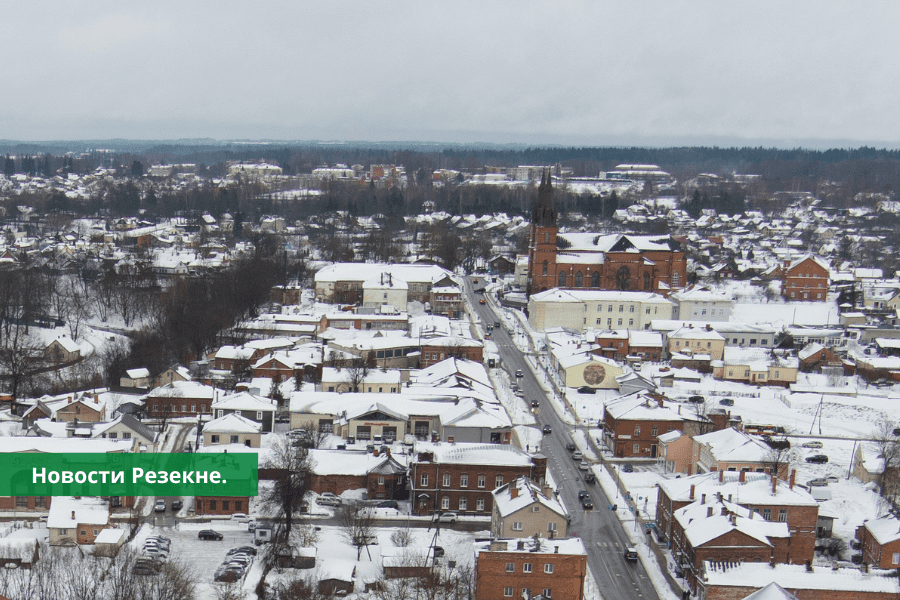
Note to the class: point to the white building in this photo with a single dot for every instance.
(600, 309)
(701, 303)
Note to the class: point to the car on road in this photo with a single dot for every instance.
(496, 323)
(475, 280)
(482, 301)
(447, 517)
(535, 404)
(519, 393)
(587, 503)
(817, 482)
(177, 505)
(160, 506)
(577, 455)
(547, 430)
(726, 402)
(583, 465)
(582, 494)
(812, 445)
(520, 373)
(209, 534)
(571, 447)
(590, 478)
(630, 554)
(586, 390)
(627, 468)
(818, 459)
(328, 499)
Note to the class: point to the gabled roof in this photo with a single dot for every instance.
(128, 421)
(528, 493)
(731, 445)
(244, 401)
(232, 423)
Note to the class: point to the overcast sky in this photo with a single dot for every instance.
(598, 73)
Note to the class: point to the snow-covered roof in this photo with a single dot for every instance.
(363, 272)
(68, 512)
(558, 295)
(67, 343)
(475, 453)
(345, 462)
(773, 591)
(183, 389)
(640, 406)
(138, 373)
(797, 577)
(527, 492)
(110, 535)
(756, 490)
(244, 401)
(232, 423)
(570, 546)
(884, 530)
(730, 445)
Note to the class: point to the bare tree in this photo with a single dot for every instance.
(889, 451)
(229, 591)
(309, 435)
(356, 371)
(358, 525)
(19, 351)
(402, 537)
(286, 494)
(780, 458)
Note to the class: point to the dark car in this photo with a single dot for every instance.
(590, 478)
(586, 390)
(587, 503)
(242, 550)
(496, 323)
(388, 504)
(697, 399)
(547, 429)
(817, 458)
(209, 534)
(177, 504)
(438, 551)
(627, 468)
(582, 494)
(726, 402)
(571, 447)
(535, 404)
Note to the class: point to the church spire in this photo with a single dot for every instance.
(544, 214)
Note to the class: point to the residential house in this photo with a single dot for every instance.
(696, 341)
(62, 350)
(335, 379)
(379, 473)
(126, 427)
(879, 542)
(136, 378)
(732, 450)
(676, 452)
(756, 366)
(518, 568)
(180, 399)
(633, 424)
(76, 520)
(805, 278)
(436, 349)
(250, 406)
(232, 428)
(86, 408)
(522, 509)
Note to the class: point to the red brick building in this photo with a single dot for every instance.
(633, 423)
(594, 261)
(805, 279)
(438, 349)
(179, 399)
(879, 542)
(221, 505)
(515, 569)
(338, 471)
(459, 477)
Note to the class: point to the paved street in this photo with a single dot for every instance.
(603, 535)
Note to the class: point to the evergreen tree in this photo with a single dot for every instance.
(9, 166)
(137, 169)
(613, 204)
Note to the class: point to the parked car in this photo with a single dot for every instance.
(817, 482)
(832, 478)
(571, 447)
(586, 390)
(329, 499)
(583, 465)
(177, 505)
(388, 504)
(496, 323)
(438, 551)
(577, 455)
(812, 445)
(519, 393)
(630, 554)
(160, 506)
(547, 430)
(240, 518)
(209, 534)
(726, 402)
(817, 459)
(590, 478)
(447, 517)
(627, 468)
(697, 399)
(242, 549)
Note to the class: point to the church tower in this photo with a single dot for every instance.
(542, 251)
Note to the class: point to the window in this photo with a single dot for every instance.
(551, 526)
(212, 505)
(96, 532)
(234, 439)
(621, 308)
(637, 430)
(548, 568)
(113, 435)
(546, 237)
(895, 558)
(508, 591)
(646, 281)
(630, 322)
(631, 308)
(544, 272)
(767, 514)
(463, 503)
(214, 439)
(63, 532)
(226, 504)
(561, 280)
(381, 480)
(237, 506)
(676, 280)
(21, 501)
(445, 502)
(637, 448)
(510, 567)
(610, 308)
(126, 436)
(776, 374)
(654, 430)
(446, 479)
(526, 568)
(259, 415)
(609, 322)
(498, 481)
(620, 321)
(547, 592)
(464, 480)
(599, 321)
(752, 341)
(83, 532)
(782, 515)
(221, 413)
(40, 501)
(481, 481)
(579, 280)
(184, 408)
(517, 526)
(595, 279)
(424, 480)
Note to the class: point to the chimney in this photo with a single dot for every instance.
(96, 399)
(702, 498)
(679, 409)
(70, 400)
(709, 511)
(721, 476)
(708, 327)
(375, 452)
(774, 485)
(692, 491)
(387, 451)
(724, 511)
(73, 515)
(513, 492)
(793, 477)
(547, 491)
(743, 476)
(556, 550)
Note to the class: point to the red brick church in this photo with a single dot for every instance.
(640, 263)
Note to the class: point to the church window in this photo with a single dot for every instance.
(623, 278)
(676, 280)
(545, 268)
(562, 279)
(646, 281)
(595, 279)
(578, 279)
(546, 237)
